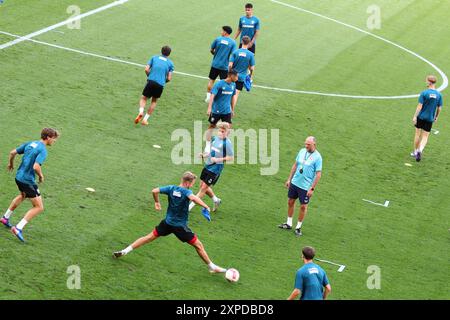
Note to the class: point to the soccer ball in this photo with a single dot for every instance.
(232, 275)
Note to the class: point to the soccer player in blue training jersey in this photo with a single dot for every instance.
(243, 61)
(303, 179)
(248, 26)
(159, 70)
(176, 220)
(311, 279)
(34, 154)
(221, 105)
(221, 151)
(427, 112)
(221, 48)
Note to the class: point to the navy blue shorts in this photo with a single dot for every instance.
(295, 192)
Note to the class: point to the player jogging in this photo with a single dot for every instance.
(159, 70)
(248, 26)
(221, 48)
(311, 279)
(221, 105)
(427, 112)
(34, 154)
(303, 179)
(243, 61)
(221, 151)
(176, 220)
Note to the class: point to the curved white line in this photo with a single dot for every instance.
(443, 75)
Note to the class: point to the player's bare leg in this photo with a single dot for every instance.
(423, 143)
(149, 111)
(208, 90)
(14, 204)
(138, 243)
(142, 103)
(38, 207)
(204, 256)
(416, 141)
(301, 217)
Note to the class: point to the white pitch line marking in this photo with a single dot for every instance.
(60, 24)
(443, 75)
(386, 203)
(341, 266)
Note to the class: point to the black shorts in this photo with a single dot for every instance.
(208, 177)
(424, 125)
(239, 85)
(184, 234)
(252, 49)
(30, 190)
(296, 192)
(152, 89)
(214, 73)
(215, 117)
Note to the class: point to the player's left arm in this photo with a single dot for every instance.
(155, 193)
(38, 169)
(315, 182)
(255, 35)
(327, 291)
(438, 111)
(295, 293)
(169, 77)
(198, 201)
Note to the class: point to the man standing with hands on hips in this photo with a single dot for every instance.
(303, 179)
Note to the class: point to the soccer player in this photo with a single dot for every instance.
(221, 104)
(243, 61)
(303, 179)
(427, 112)
(310, 279)
(221, 48)
(176, 220)
(221, 151)
(248, 26)
(34, 155)
(159, 70)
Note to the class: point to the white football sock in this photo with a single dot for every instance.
(141, 110)
(191, 205)
(215, 199)
(299, 225)
(8, 214)
(146, 117)
(22, 224)
(289, 221)
(127, 250)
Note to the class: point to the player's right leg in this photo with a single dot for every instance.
(150, 111)
(217, 201)
(14, 204)
(136, 244)
(417, 136)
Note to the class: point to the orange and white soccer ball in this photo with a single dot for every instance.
(232, 275)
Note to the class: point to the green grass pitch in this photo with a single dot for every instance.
(364, 144)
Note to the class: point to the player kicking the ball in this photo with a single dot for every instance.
(221, 151)
(176, 220)
(34, 155)
(159, 70)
